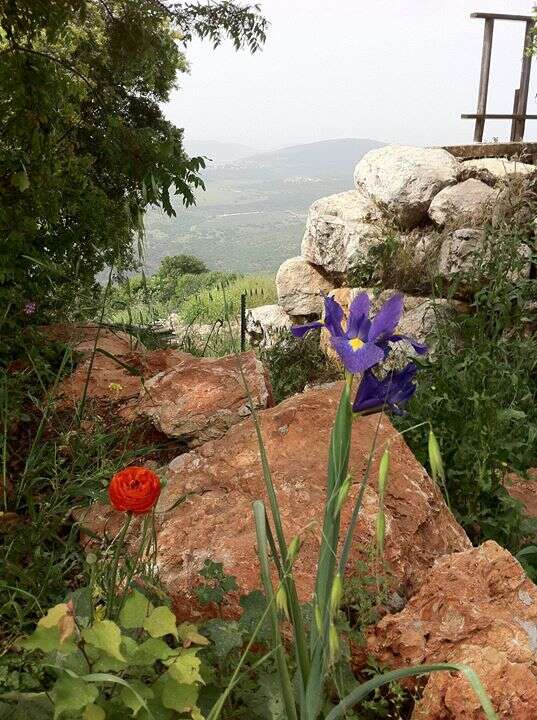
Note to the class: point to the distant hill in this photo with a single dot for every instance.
(327, 158)
(252, 215)
(219, 152)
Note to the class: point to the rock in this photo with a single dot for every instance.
(266, 324)
(339, 229)
(459, 251)
(205, 510)
(114, 381)
(199, 399)
(500, 167)
(82, 338)
(418, 320)
(466, 201)
(475, 606)
(524, 490)
(403, 180)
(465, 251)
(299, 286)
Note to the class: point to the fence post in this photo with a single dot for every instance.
(243, 322)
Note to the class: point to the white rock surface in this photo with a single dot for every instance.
(403, 180)
(465, 200)
(266, 324)
(300, 286)
(458, 252)
(500, 167)
(339, 230)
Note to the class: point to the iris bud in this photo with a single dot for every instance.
(293, 549)
(281, 600)
(384, 469)
(336, 594)
(435, 458)
(333, 641)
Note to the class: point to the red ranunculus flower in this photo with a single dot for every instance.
(134, 489)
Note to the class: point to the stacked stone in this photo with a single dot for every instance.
(418, 192)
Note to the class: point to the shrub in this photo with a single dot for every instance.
(479, 392)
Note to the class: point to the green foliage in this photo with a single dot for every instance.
(479, 389)
(217, 584)
(174, 266)
(210, 305)
(86, 148)
(146, 683)
(294, 363)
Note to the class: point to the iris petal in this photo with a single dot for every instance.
(387, 318)
(301, 330)
(357, 361)
(333, 315)
(420, 348)
(390, 393)
(358, 312)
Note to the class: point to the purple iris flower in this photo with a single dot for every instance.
(388, 394)
(365, 342)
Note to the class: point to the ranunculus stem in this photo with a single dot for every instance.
(120, 542)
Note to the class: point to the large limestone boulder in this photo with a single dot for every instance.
(205, 510)
(199, 399)
(500, 167)
(339, 229)
(300, 286)
(477, 607)
(403, 180)
(467, 201)
(266, 324)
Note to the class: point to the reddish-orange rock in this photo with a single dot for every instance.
(476, 607)
(205, 511)
(201, 398)
(191, 398)
(524, 490)
(82, 338)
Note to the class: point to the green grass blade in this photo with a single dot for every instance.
(363, 690)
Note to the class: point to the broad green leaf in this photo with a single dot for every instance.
(105, 635)
(189, 635)
(186, 668)
(254, 606)
(150, 651)
(177, 696)
(161, 622)
(131, 696)
(135, 611)
(267, 702)
(93, 712)
(103, 662)
(26, 706)
(70, 694)
(47, 639)
(225, 636)
(53, 616)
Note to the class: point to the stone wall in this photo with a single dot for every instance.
(422, 207)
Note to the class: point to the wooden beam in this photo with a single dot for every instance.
(513, 123)
(484, 80)
(524, 150)
(524, 82)
(498, 116)
(502, 16)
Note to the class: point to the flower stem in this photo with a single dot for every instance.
(120, 542)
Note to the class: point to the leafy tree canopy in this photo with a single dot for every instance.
(84, 146)
(174, 266)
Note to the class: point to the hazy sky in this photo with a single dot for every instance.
(392, 70)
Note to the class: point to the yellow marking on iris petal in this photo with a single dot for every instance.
(356, 343)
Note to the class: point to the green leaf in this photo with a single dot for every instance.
(53, 616)
(82, 604)
(254, 606)
(93, 712)
(45, 639)
(225, 636)
(105, 635)
(267, 702)
(131, 696)
(186, 668)
(161, 622)
(135, 611)
(189, 635)
(70, 694)
(150, 651)
(176, 696)
(20, 180)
